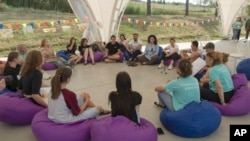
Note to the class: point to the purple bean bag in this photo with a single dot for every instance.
(48, 66)
(239, 80)
(167, 62)
(17, 110)
(121, 57)
(121, 128)
(98, 56)
(47, 130)
(238, 104)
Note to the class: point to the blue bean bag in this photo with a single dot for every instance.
(17, 110)
(120, 128)
(193, 121)
(244, 67)
(62, 53)
(46, 130)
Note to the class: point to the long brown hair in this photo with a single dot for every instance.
(62, 75)
(11, 57)
(33, 60)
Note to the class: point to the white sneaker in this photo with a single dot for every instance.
(46, 76)
(160, 66)
(170, 67)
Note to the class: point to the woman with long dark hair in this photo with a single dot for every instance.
(31, 77)
(124, 101)
(12, 68)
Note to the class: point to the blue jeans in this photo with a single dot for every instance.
(166, 99)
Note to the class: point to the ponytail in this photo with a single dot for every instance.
(62, 76)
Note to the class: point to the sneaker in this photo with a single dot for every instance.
(164, 72)
(170, 67)
(159, 105)
(46, 76)
(160, 66)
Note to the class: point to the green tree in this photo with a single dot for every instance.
(148, 7)
(187, 8)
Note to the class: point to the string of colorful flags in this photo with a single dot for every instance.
(124, 19)
(167, 24)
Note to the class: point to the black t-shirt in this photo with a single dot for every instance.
(13, 72)
(81, 48)
(113, 48)
(72, 51)
(31, 82)
(119, 105)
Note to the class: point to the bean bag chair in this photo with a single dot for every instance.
(17, 110)
(167, 62)
(239, 80)
(98, 56)
(244, 67)
(121, 57)
(48, 66)
(193, 121)
(238, 104)
(158, 61)
(46, 130)
(62, 53)
(120, 128)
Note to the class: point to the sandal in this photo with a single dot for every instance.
(159, 105)
(85, 63)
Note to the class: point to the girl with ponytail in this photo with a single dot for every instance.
(65, 106)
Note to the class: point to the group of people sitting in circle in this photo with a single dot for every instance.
(213, 82)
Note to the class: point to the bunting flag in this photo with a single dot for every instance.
(38, 24)
(52, 23)
(1, 26)
(17, 25)
(58, 22)
(70, 21)
(24, 24)
(129, 20)
(76, 20)
(32, 25)
(45, 24)
(64, 22)
(9, 26)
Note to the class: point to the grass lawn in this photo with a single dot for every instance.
(60, 39)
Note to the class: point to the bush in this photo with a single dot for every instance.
(134, 10)
(3, 6)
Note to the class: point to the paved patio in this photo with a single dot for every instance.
(98, 80)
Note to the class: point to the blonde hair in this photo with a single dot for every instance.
(216, 56)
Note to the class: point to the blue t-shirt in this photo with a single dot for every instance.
(220, 72)
(184, 91)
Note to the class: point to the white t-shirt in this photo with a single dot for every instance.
(133, 44)
(172, 48)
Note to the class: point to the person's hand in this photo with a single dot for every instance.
(2, 84)
(223, 104)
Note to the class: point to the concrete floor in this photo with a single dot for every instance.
(98, 80)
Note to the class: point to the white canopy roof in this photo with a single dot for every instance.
(103, 17)
(229, 10)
